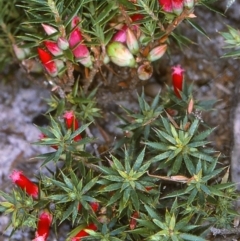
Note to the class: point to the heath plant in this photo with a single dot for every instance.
(159, 179)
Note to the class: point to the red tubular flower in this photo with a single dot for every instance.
(94, 206)
(75, 37)
(72, 123)
(177, 6)
(44, 223)
(80, 51)
(53, 48)
(166, 5)
(177, 79)
(69, 117)
(47, 61)
(24, 183)
(83, 233)
(133, 221)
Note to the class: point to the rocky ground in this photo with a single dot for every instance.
(22, 102)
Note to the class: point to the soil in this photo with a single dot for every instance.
(22, 104)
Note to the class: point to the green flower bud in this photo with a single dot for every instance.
(132, 42)
(157, 53)
(120, 55)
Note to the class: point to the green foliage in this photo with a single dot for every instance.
(232, 40)
(160, 180)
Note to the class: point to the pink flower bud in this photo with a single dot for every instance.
(120, 55)
(121, 35)
(132, 42)
(49, 30)
(43, 226)
(19, 52)
(75, 21)
(48, 62)
(83, 233)
(166, 5)
(24, 183)
(53, 48)
(62, 43)
(177, 6)
(82, 55)
(75, 37)
(177, 79)
(157, 53)
(188, 3)
(145, 71)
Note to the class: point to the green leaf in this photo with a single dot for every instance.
(198, 28)
(89, 185)
(161, 156)
(233, 54)
(111, 187)
(80, 130)
(137, 164)
(118, 165)
(191, 237)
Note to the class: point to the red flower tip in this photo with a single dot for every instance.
(69, 117)
(48, 63)
(75, 21)
(44, 56)
(177, 79)
(136, 17)
(53, 48)
(72, 123)
(94, 206)
(24, 183)
(83, 233)
(166, 5)
(44, 223)
(133, 221)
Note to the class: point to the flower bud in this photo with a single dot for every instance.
(48, 62)
(177, 6)
(75, 37)
(53, 48)
(166, 5)
(157, 53)
(83, 233)
(43, 226)
(75, 21)
(72, 123)
(95, 206)
(133, 221)
(177, 79)
(121, 35)
(62, 43)
(188, 3)
(19, 52)
(120, 55)
(24, 183)
(145, 71)
(49, 30)
(132, 42)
